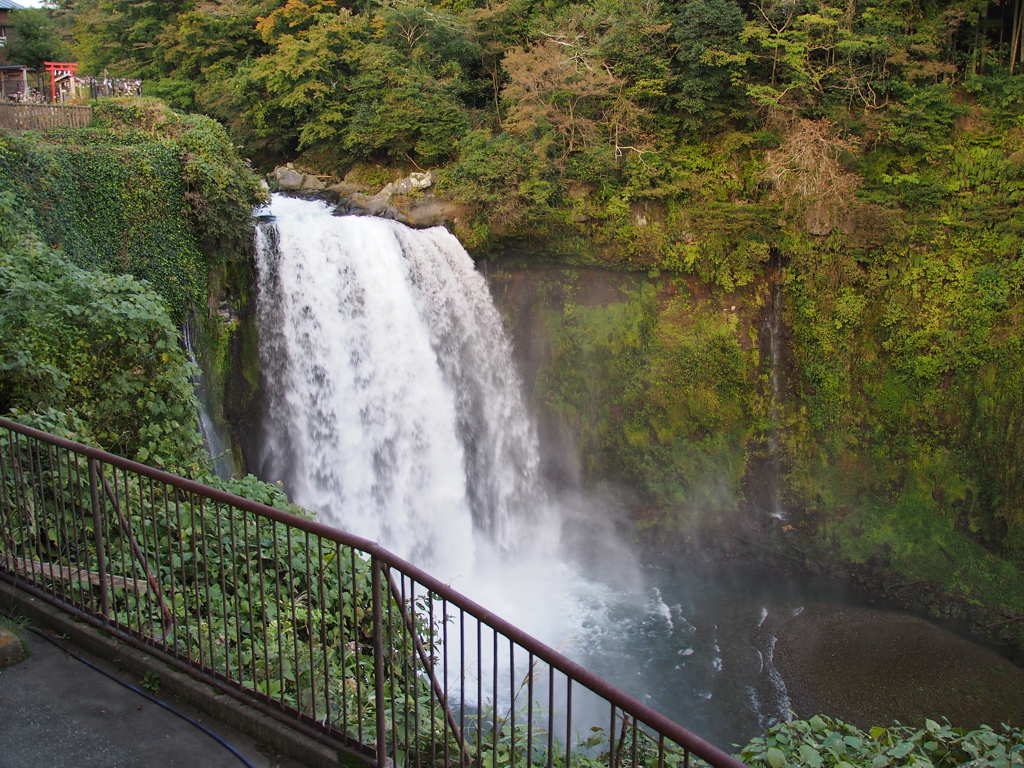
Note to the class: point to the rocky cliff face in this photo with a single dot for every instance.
(657, 389)
(409, 201)
(641, 380)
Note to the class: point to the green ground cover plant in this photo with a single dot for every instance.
(822, 741)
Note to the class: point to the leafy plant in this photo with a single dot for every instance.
(151, 682)
(92, 354)
(144, 191)
(824, 742)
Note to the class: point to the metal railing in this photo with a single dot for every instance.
(323, 630)
(107, 87)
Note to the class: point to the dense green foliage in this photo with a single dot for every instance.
(92, 355)
(618, 94)
(143, 191)
(37, 39)
(113, 208)
(111, 236)
(601, 80)
(822, 741)
(910, 363)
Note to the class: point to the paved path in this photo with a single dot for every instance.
(56, 712)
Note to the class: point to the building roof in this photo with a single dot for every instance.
(10, 5)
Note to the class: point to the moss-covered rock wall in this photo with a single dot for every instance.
(656, 378)
(144, 192)
(897, 417)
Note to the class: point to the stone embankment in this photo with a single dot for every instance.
(878, 586)
(1001, 625)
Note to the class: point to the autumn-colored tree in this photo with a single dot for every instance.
(556, 86)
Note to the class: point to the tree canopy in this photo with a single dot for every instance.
(37, 39)
(409, 79)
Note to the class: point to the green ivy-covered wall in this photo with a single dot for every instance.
(115, 235)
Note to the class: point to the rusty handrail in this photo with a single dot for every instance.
(381, 561)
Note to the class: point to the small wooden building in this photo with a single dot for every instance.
(6, 28)
(14, 82)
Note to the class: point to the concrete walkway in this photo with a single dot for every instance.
(56, 711)
(51, 702)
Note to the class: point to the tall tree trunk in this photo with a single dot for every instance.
(979, 41)
(1002, 29)
(1015, 37)
(1018, 33)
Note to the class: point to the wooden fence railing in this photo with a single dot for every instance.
(39, 117)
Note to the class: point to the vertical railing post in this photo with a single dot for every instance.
(378, 659)
(97, 521)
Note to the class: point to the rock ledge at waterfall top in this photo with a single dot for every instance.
(408, 201)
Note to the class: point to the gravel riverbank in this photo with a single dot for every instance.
(870, 667)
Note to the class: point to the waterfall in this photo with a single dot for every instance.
(775, 330)
(393, 406)
(216, 443)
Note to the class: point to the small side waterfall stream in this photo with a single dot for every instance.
(395, 411)
(216, 443)
(775, 330)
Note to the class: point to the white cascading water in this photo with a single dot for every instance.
(396, 412)
(216, 442)
(395, 409)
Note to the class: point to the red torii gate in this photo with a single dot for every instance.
(59, 69)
